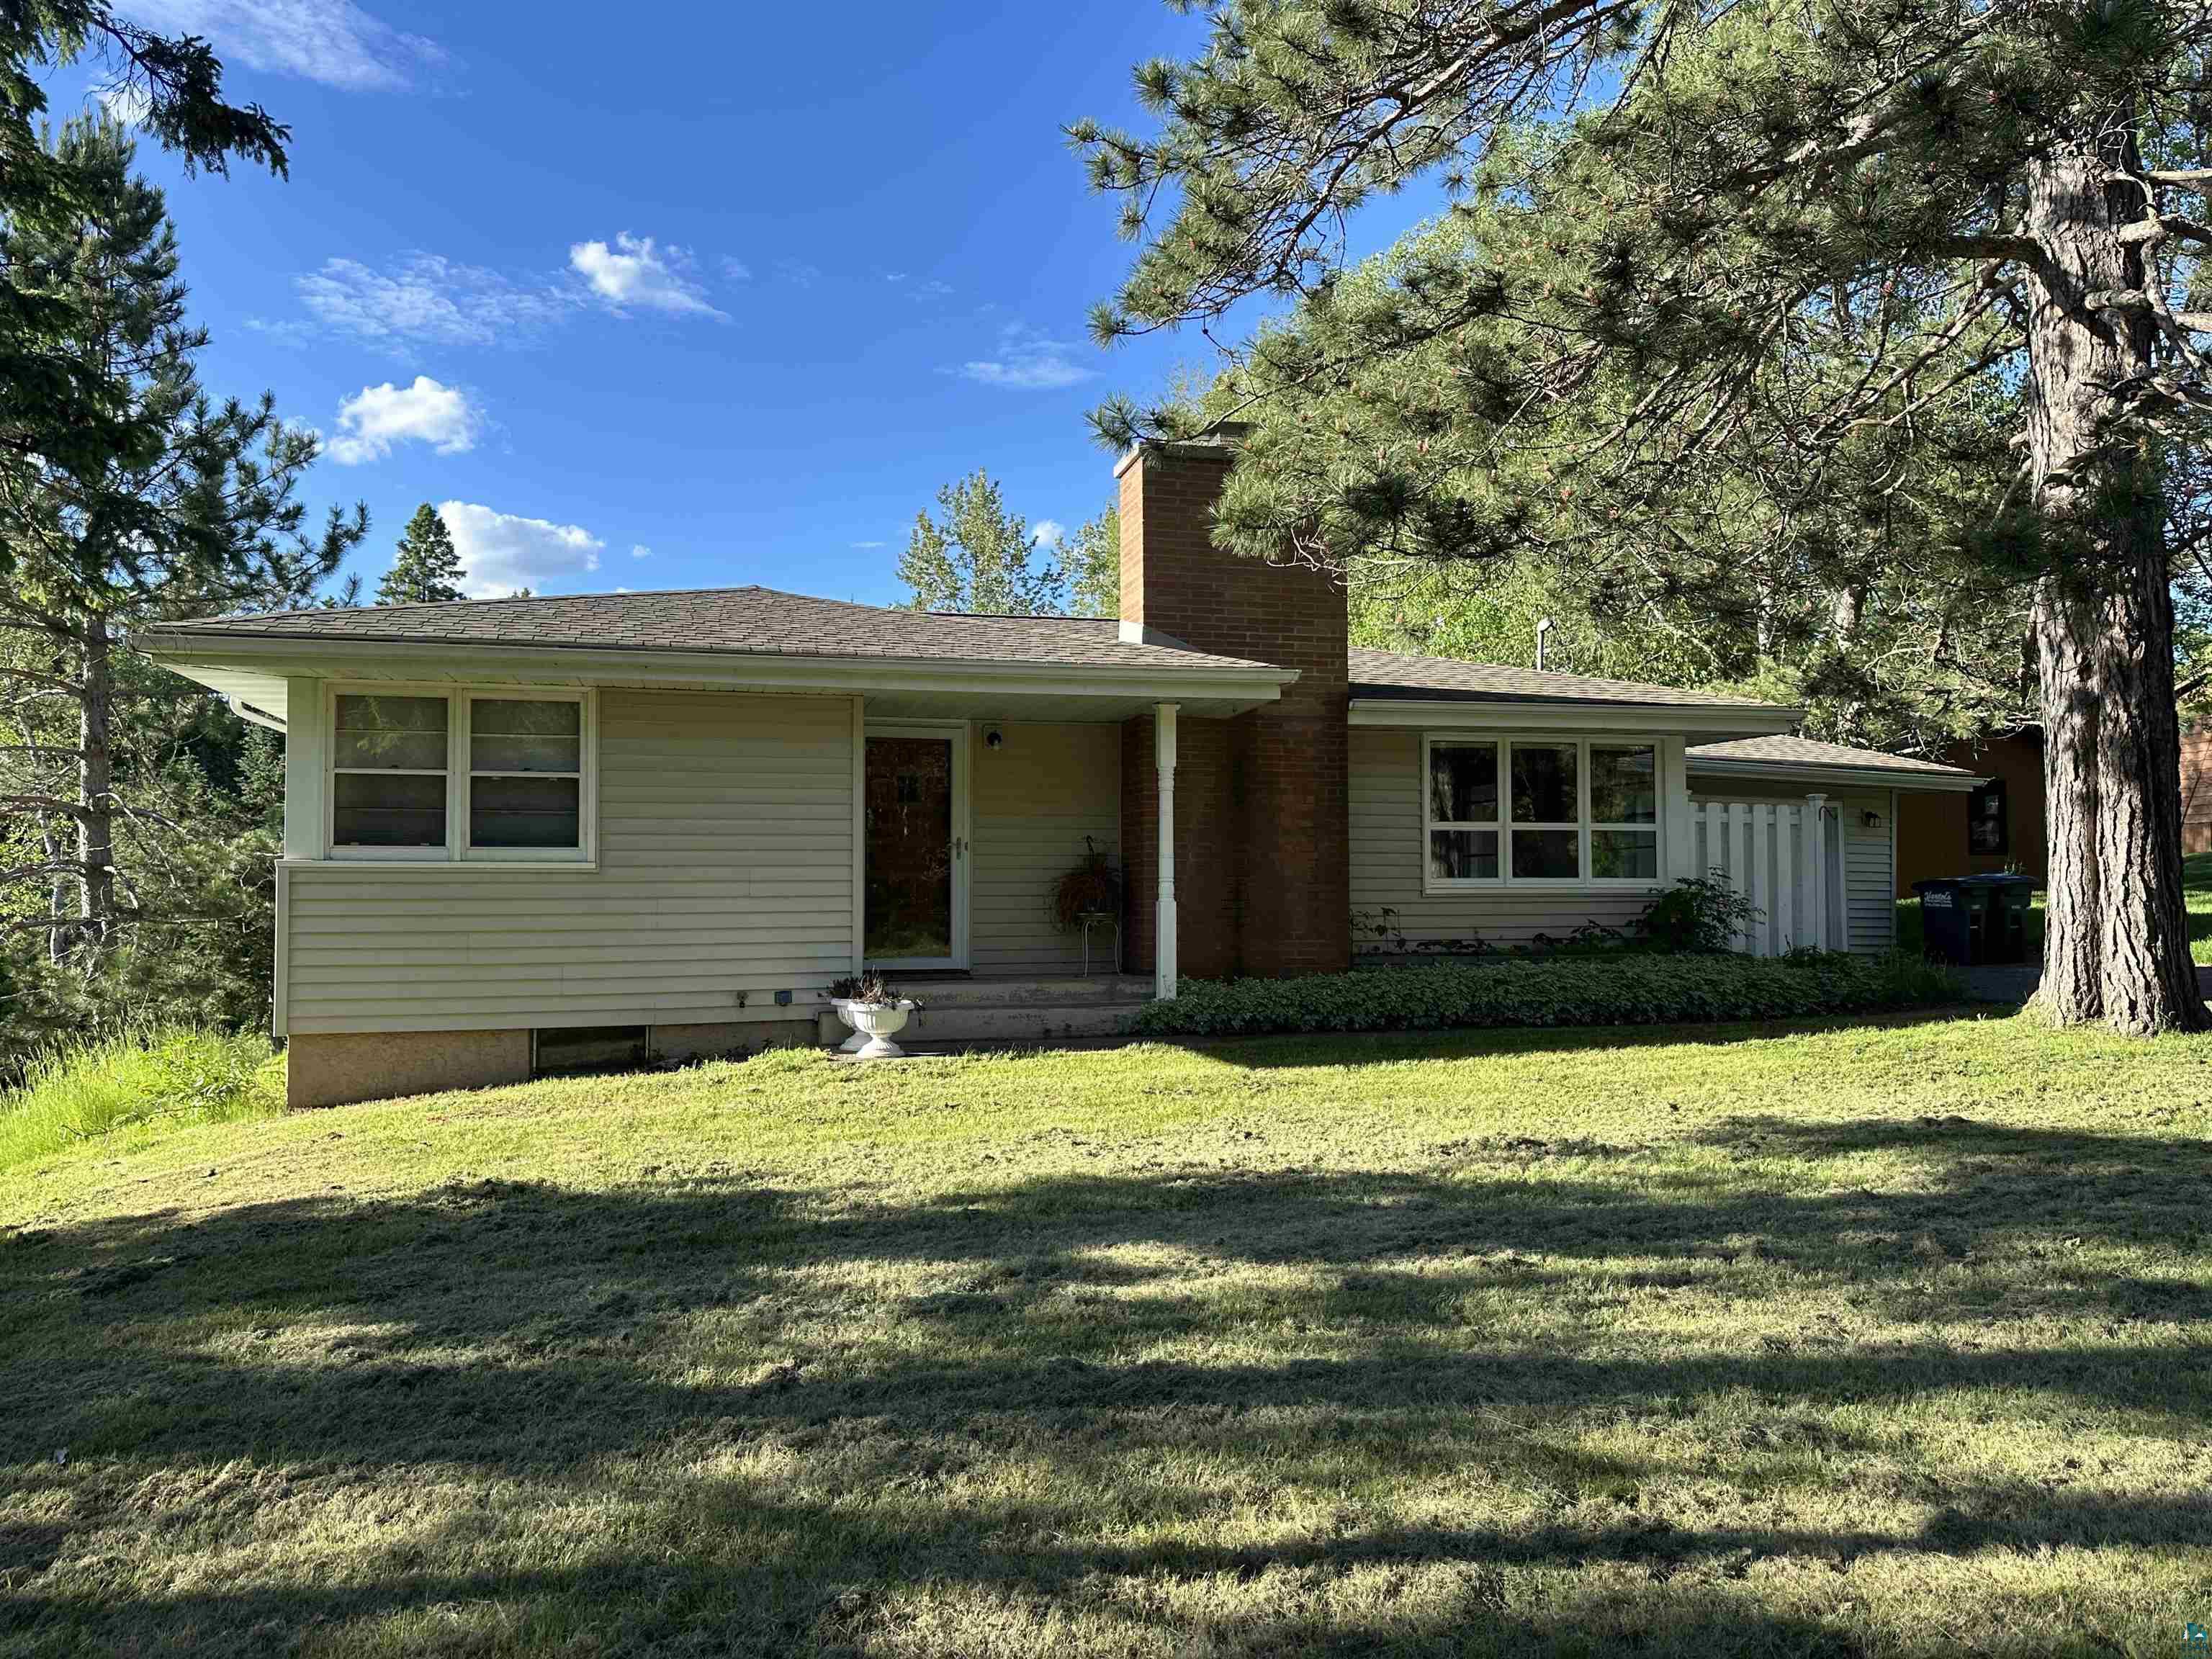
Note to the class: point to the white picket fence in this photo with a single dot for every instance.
(1777, 856)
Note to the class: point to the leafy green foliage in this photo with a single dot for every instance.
(1622, 989)
(1698, 913)
(157, 1077)
(1093, 560)
(426, 569)
(979, 558)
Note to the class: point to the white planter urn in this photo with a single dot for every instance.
(874, 1024)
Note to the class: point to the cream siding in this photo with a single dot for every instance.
(724, 872)
(1387, 856)
(1032, 801)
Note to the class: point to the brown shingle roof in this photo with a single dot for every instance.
(1394, 674)
(1807, 751)
(758, 621)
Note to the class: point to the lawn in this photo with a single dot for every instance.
(1888, 1340)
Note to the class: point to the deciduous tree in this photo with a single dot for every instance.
(978, 556)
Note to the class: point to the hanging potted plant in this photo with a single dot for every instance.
(1089, 892)
(876, 1013)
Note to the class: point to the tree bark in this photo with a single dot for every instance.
(2117, 942)
(95, 833)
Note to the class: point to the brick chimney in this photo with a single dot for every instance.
(1262, 836)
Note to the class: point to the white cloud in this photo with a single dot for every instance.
(1026, 361)
(332, 42)
(379, 417)
(640, 550)
(635, 271)
(866, 546)
(737, 271)
(502, 551)
(425, 298)
(1049, 533)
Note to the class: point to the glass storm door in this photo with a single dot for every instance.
(917, 847)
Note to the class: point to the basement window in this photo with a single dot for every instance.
(565, 1051)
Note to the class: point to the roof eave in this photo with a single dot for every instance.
(1710, 721)
(1812, 772)
(283, 656)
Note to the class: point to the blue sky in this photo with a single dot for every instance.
(724, 298)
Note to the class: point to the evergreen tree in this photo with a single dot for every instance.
(427, 571)
(1094, 566)
(191, 508)
(52, 402)
(1799, 226)
(979, 557)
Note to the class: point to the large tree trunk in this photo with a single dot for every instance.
(96, 789)
(2117, 943)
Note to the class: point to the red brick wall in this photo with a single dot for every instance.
(2197, 791)
(1262, 829)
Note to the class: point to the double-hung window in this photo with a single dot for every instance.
(448, 777)
(1539, 811)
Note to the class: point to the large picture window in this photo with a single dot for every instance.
(1548, 811)
(433, 777)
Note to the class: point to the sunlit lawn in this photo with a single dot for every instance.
(1893, 1340)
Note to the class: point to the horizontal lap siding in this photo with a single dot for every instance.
(1386, 863)
(725, 865)
(1032, 801)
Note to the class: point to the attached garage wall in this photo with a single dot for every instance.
(726, 870)
(1032, 801)
(1386, 863)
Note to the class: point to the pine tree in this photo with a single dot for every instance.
(979, 557)
(181, 507)
(427, 571)
(2000, 201)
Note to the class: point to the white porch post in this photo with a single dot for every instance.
(1816, 869)
(1163, 937)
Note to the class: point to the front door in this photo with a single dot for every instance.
(917, 847)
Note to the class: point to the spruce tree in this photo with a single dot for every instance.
(1797, 223)
(427, 571)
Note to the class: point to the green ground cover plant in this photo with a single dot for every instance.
(1621, 988)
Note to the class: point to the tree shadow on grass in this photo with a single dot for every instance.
(794, 1406)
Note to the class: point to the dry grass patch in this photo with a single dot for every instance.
(1886, 1339)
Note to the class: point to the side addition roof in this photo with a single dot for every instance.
(1394, 688)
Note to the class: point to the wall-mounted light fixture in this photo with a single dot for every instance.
(1871, 818)
(994, 738)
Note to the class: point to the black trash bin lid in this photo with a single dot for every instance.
(1976, 881)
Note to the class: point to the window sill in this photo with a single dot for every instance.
(1549, 888)
(446, 867)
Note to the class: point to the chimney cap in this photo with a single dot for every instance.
(1218, 442)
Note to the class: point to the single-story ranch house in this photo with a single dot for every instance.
(520, 831)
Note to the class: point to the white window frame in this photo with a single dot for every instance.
(457, 853)
(1505, 824)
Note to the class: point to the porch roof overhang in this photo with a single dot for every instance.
(252, 673)
(1831, 777)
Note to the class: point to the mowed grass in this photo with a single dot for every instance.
(1892, 1339)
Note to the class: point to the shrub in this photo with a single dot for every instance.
(83, 1090)
(1618, 990)
(1698, 913)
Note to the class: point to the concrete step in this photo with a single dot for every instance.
(953, 992)
(1012, 1023)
